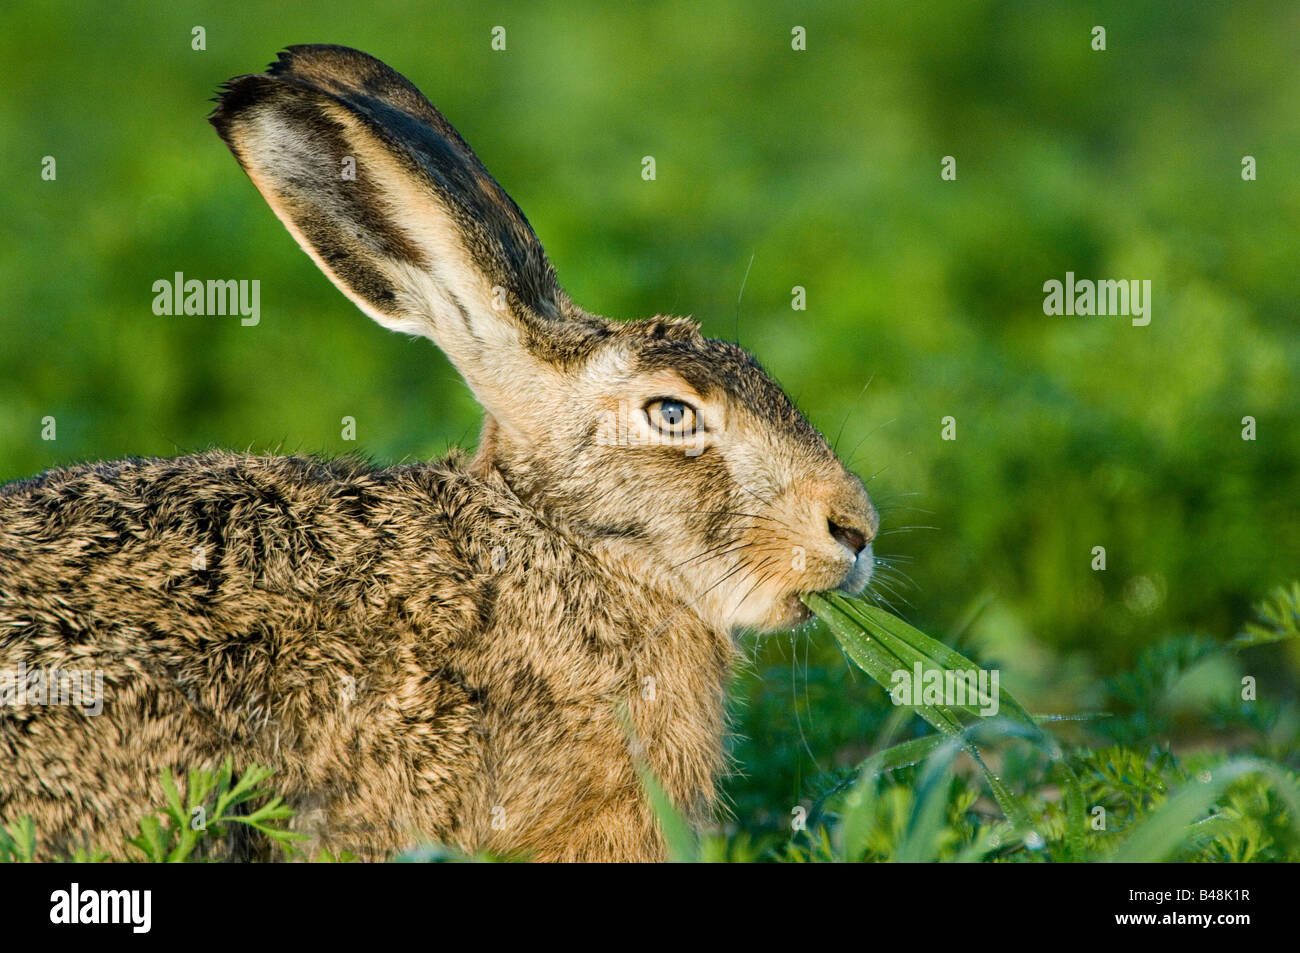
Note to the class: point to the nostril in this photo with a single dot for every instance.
(851, 538)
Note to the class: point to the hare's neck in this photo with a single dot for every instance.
(680, 667)
(501, 458)
(678, 663)
(678, 710)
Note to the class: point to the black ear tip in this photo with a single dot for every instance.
(301, 56)
(285, 59)
(234, 97)
(282, 63)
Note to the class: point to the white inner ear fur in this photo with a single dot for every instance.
(498, 368)
(271, 152)
(505, 378)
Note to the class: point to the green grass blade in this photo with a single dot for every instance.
(879, 643)
(895, 632)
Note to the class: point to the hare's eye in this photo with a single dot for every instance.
(673, 417)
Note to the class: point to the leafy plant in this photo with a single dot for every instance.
(18, 845)
(1119, 802)
(213, 801)
(1279, 619)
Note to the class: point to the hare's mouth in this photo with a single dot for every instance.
(795, 611)
(791, 608)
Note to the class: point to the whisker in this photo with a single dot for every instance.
(761, 580)
(895, 575)
(870, 433)
(894, 558)
(882, 600)
(713, 550)
(888, 589)
(798, 719)
(735, 569)
(769, 503)
(840, 433)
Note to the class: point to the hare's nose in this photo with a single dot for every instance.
(855, 539)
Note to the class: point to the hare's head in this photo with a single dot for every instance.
(671, 453)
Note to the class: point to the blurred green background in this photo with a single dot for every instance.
(823, 168)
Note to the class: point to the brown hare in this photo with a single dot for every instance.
(478, 651)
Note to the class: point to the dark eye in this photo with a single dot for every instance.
(673, 417)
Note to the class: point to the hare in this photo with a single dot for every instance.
(485, 651)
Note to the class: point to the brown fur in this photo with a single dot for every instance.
(435, 652)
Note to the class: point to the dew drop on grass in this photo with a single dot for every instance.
(1034, 840)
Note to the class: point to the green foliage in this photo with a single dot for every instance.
(1279, 619)
(1126, 783)
(1241, 811)
(1252, 823)
(1113, 802)
(18, 845)
(211, 804)
(344, 857)
(185, 828)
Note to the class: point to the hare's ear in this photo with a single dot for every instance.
(397, 210)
